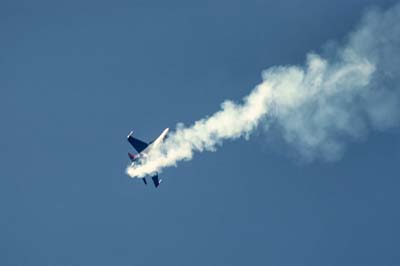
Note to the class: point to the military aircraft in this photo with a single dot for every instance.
(143, 149)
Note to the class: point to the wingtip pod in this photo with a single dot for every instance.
(164, 134)
(130, 134)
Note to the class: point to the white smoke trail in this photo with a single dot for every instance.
(317, 107)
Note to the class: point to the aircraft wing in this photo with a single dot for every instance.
(160, 138)
(137, 144)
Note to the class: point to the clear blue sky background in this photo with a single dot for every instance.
(77, 76)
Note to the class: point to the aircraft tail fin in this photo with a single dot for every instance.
(156, 181)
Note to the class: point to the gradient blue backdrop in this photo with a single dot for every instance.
(76, 77)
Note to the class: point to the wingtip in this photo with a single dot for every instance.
(130, 134)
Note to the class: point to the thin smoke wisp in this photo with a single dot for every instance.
(316, 108)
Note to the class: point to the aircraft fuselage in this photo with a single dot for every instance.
(143, 149)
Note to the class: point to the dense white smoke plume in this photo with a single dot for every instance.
(316, 107)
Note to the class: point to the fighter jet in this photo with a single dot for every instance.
(143, 149)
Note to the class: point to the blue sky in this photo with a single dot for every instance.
(76, 77)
